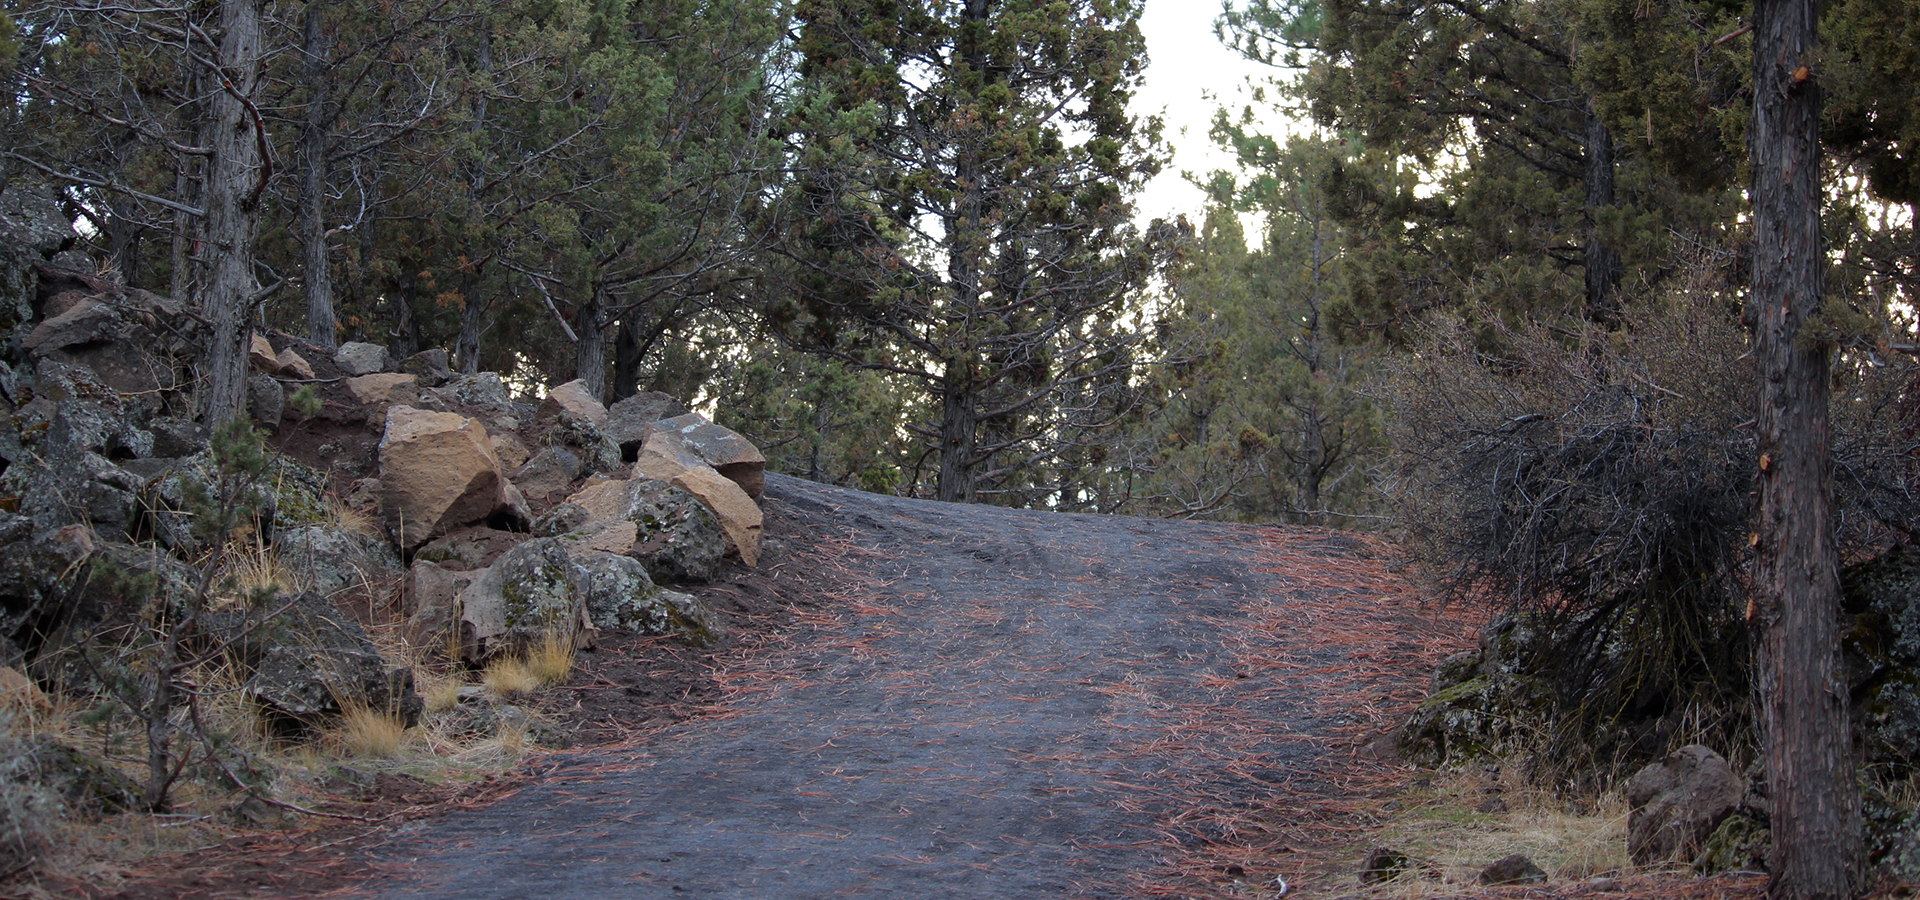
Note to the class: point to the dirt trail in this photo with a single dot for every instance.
(1002, 704)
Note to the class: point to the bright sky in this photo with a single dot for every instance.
(1189, 75)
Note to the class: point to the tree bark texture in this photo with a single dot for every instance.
(1817, 841)
(235, 183)
(1603, 262)
(317, 276)
(958, 427)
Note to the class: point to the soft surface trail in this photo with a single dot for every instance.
(1009, 704)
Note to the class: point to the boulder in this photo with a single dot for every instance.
(725, 450)
(559, 520)
(1513, 869)
(535, 591)
(432, 599)
(1484, 717)
(600, 537)
(384, 387)
(482, 390)
(334, 560)
(38, 569)
(549, 475)
(677, 537)
(357, 358)
(512, 451)
(90, 321)
(1675, 804)
(293, 365)
(621, 595)
(669, 457)
(469, 549)
(573, 399)
(83, 782)
(31, 228)
(266, 400)
(629, 420)
(260, 355)
(430, 366)
(306, 661)
(1384, 864)
(437, 473)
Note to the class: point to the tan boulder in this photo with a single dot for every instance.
(383, 387)
(573, 397)
(261, 356)
(294, 365)
(718, 446)
(667, 457)
(437, 473)
(602, 537)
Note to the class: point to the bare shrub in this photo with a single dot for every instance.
(1606, 479)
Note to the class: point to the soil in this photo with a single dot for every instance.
(933, 700)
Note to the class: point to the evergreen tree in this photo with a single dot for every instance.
(959, 217)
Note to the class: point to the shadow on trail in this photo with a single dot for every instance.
(1007, 704)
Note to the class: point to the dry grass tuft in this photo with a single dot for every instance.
(369, 733)
(510, 678)
(551, 660)
(347, 518)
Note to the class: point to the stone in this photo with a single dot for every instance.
(335, 561)
(677, 537)
(1384, 864)
(89, 321)
(572, 398)
(1456, 669)
(38, 570)
(31, 228)
(83, 782)
(725, 450)
(384, 387)
(358, 358)
(548, 475)
(1514, 869)
(261, 357)
(1485, 717)
(669, 457)
(482, 390)
(96, 336)
(629, 420)
(1675, 804)
(266, 400)
(438, 472)
(559, 520)
(432, 599)
(20, 694)
(601, 537)
(533, 592)
(307, 662)
(621, 595)
(430, 366)
(293, 365)
(512, 451)
(469, 549)
(1741, 843)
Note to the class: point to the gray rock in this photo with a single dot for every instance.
(334, 561)
(482, 391)
(430, 366)
(469, 549)
(358, 358)
(38, 569)
(1485, 717)
(31, 229)
(561, 519)
(725, 450)
(534, 591)
(1384, 864)
(82, 781)
(549, 474)
(621, 595)
(266, 400)
(676, 536)
(1675, 804)
(629, 420)
(1514, 869)
(306, 660)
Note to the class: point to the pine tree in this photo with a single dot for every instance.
(960, 217)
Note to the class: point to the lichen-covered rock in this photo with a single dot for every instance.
(667, 457)
(266, 400)
(1740, 844)
(1675, 804)
(38, 569)
(534, 592)
(621, 595)
(1513, 869)
(335, 560)
(481, 390)
(83, 782)
(1484, 717)
(31, 228)
(548, 475)
(559, 520)
(306, 661)
(469, 549)
(677, 537)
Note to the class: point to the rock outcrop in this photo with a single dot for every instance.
(1675, 804)
(438, 472)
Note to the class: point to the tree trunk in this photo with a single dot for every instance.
(626, 360)
(590, 354)
(233, 194)
(1817, 841)
(1603, 262)
(958, 422)
(318, 274)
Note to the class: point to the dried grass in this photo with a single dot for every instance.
(369, 733)
(510, 678)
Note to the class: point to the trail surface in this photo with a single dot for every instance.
(998, 704)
